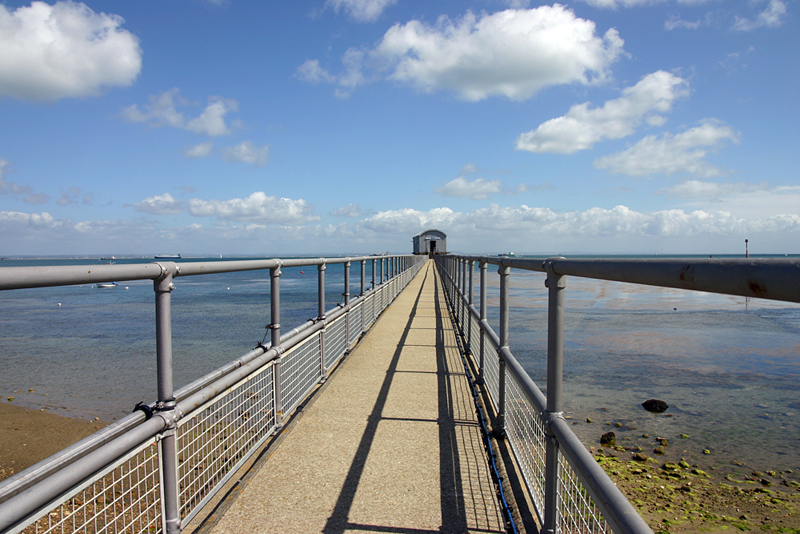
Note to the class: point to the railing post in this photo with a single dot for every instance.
(470, 270)
(555, 369)
(363, 275)
(275, 326)
(321, 316)
(163, 286)
(500, 427)
(363, 288)
(484, 323)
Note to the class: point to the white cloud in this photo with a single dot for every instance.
(771, 17)
(697, 189)
(162, 111)
(311, 71)
(69, 196)
(542, 227)
(258, 207)
(7, 186)
(751, 201)
(160, 205)
(64, 50)
(669, 154)
(583, 126)
(350, 211)
(675, 22)
(513, 53)
(199, 151)
(247, 152)
(478, 189)
(361, 10)
(212, 121)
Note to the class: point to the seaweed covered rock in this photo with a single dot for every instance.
(655, 405)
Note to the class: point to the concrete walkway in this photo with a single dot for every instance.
(391, 445)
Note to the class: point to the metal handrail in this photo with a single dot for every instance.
(777, 279)
(26, 495)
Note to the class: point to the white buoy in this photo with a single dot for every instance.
(59, 304)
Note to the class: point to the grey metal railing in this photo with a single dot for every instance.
(154, 470)
(570, 491)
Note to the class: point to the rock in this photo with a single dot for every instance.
(655, 405)
(659, 450)
(589, 420)
(609, 438)
(640, 457)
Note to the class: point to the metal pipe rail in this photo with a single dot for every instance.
(569, 490)
(155, 469)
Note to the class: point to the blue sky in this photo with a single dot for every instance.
(348, 126)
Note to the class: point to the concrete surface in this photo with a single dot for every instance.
(391, 445)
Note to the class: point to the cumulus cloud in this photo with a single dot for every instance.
(478, 189)
(751, 201)
(163, 111)
(199, 151)
(771, 17)
(361, 10)
(247, 152)
(7, 186)
(698, 189)
(670, 154)
(513, 53)
(258, 208)
(583, 126)
(160, 205)
(350, 211)
(64, 50)
(533, 223)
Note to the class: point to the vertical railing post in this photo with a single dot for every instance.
(321, 268)
(500, 427)
(363, 290)
(163, 286)
(555, 370)
(471, 307)
(346, 293)
(347, 305)
(275, 326)
(484, 322)
(363, 275)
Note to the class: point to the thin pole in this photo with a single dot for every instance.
(166, 401)
(555, 372)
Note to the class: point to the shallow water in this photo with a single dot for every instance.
(728, 367)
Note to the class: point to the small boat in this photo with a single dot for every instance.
(167, 256)
(105, 285)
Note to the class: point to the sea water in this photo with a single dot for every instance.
(729, 367)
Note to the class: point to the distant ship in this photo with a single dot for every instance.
(507, 255)
(167, 256)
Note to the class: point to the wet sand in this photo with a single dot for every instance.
(28, 436)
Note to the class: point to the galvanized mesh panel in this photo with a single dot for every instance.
(301, 369)
(356, 325)
(491, 371)
(526, 435)
(577, 511)
(335, 341)
(215, 438)
(369, 310)
(475, 335)
(124, 498)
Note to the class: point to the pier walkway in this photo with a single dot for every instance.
(392, 444)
